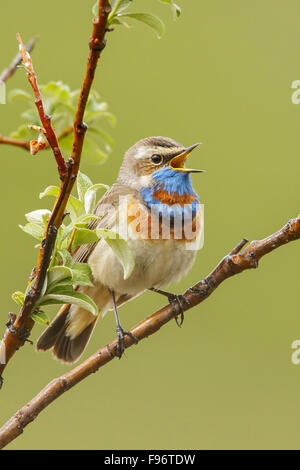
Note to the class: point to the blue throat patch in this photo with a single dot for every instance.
(173, 182)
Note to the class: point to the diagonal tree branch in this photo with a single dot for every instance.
(235, 262)
(16, 334)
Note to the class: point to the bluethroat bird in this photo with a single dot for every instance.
(154, 198)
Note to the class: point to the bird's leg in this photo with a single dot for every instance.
(121, 333)
(176, 300)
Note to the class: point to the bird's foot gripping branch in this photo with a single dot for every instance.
(235, 262)
(56, 272)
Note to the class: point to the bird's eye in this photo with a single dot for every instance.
(156, 159)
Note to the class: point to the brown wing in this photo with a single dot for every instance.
(105, 210)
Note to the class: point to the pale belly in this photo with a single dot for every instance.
(157, 263)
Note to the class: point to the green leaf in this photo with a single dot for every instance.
(74, 205)
(40, 317)
(121, 249)
(81, 225)
(111, 118)
(122, 5)
(66, 257)
(90, 196)
(66, 144)
(122, 23)
(38, 217)
(62, 277)
(49, 191)
(23, 132)
(84, 268)
(104, 135)
(57, 274)
(35, 230)
(83, 236)
(116, 7)
(95, 9)
(77, 298)
(57, 90)
(60, 102)
(31, 115)
(18, 93)
(19, 298)
(91, 148)
(83, 184)
(92, 151)
(65, 285)
(151, 20)
(55, 94)
(176, 10)
(82, 274)
(66, 232)
(95, 108)
(83, 219)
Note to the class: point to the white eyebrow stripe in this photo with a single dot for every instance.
(141, 153)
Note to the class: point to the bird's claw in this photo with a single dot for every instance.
(121, 333)
(177, 302)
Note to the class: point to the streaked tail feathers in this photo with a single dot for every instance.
(68, 334)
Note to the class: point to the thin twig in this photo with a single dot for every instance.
(16, 142)
(44, 117)
(68, 172)
(5, 75)
(10, 70)
(234, 263)
(25, 144)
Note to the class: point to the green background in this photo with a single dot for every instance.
(222, 75)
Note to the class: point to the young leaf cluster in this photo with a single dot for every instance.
(120, 15)
(63, 274)
(60, 104)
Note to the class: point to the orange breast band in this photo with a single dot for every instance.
(172, 198)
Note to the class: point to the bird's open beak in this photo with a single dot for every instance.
(177, 162)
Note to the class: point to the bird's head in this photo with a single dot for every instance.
(156, 159)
